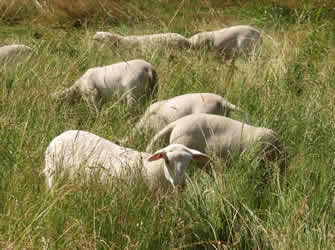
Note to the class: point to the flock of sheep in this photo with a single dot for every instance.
(190, 125)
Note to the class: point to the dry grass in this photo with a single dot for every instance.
(15, 9)
(98, 9)
(63, 10)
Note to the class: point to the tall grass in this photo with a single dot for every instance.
(289, 88)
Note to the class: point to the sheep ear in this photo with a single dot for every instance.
(157, 156)
(200, 157)
(197, 155)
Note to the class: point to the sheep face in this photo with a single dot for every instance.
(176, 158)
(107, 37)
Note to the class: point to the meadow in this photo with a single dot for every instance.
(289, 86)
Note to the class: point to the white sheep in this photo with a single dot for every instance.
(161, 113)
(80, 152)
(14, 51)
(219, 134)
(136, 79)
(165, 40)
(231, 42)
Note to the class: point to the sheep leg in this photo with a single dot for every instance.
(93, 99)
(130, 99)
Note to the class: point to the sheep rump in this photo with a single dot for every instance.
(14, 52)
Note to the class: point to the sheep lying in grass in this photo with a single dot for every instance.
(165, 40)
(80, 152)
(207, 132)
(231, 42)
(12, 52)
(136, 79)
(161, 113)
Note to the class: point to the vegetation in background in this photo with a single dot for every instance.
(290, 88)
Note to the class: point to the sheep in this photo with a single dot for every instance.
(231, 42)
(81, 152)
(161, 113)
(12, 52)
(165, 40)
(219, 134)
(134, 79)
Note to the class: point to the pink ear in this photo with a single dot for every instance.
(156, 156)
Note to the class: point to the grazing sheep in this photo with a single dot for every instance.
(161, 113)
(12, 52)
(168, 40)
(231, 42)
(207, 132)
(80, 152)
(135, 79)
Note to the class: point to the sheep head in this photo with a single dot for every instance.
(176, 158)
(107, 37)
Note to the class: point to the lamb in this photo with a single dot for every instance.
(161, 113)
(80, 152)
(135, 79)
(165, 40)
(231, 42)
(222, 135)
(11, 52)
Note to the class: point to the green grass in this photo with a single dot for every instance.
(290, 88)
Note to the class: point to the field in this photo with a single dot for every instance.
(288, 87)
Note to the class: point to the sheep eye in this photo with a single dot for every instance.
(167, 161)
